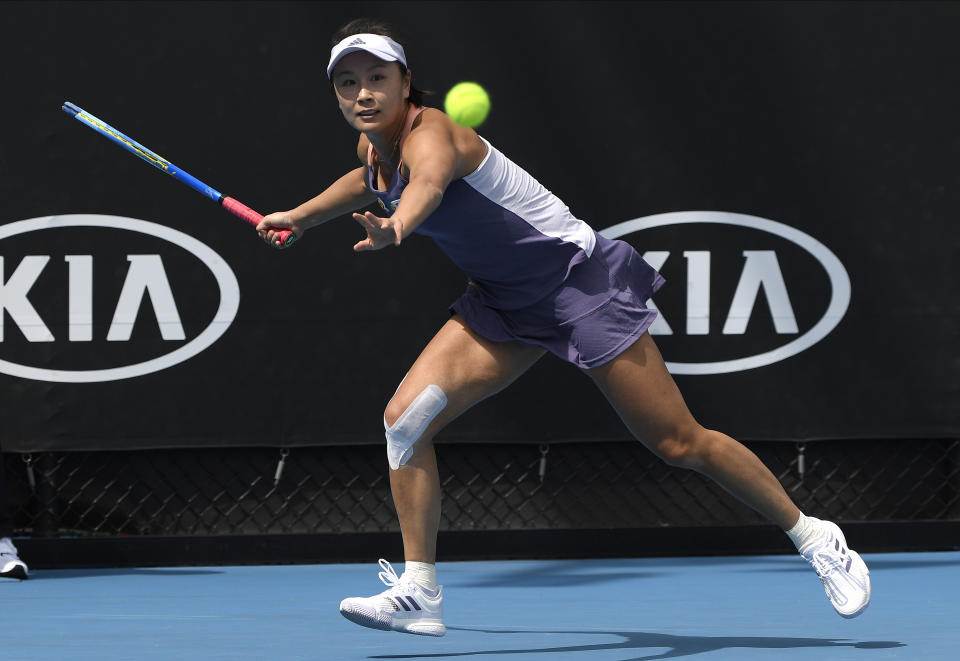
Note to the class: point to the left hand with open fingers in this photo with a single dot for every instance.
(381, 232)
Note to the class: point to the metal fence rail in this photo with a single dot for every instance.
(485, 487)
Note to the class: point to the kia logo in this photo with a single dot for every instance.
(64, 313)
(740, 305)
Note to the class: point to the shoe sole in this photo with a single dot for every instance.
(866, 603)
(367, 617)
(424, 628)
(17, 571)
(843, 541)
(374, 619)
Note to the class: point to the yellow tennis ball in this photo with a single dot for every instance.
(467, 104)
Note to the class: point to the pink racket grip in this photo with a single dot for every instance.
(241, 210)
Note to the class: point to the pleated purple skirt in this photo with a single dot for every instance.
(596, 314)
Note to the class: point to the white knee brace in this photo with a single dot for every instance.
(411, 424)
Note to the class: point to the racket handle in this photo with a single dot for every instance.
(241, 210)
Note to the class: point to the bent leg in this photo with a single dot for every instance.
(468, 368)
(648, 401)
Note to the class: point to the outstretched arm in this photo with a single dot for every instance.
(346, 194)
(433, 159)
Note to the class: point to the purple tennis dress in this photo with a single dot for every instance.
(538, 275)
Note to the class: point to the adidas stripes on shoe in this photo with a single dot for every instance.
(843, 572)
(404, 606)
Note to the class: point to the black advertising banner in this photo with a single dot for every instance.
(790, 168)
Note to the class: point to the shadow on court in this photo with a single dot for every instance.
(562, 573)
(677, 646)
(874, 563)
(61, 574)
(542, 579)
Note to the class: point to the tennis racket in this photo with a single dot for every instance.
(230, 204)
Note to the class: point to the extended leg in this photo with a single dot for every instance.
(645, 396)
(642, 391)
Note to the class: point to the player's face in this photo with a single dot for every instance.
(371, 93)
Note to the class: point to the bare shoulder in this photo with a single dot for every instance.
(431, 122)
(469, 148)
(363, 148)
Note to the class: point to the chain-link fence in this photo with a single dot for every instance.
(237, 491)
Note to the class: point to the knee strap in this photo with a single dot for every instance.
(411, 424)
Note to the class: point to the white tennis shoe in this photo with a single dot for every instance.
(843, 572)
(404, 606)
(11, 566)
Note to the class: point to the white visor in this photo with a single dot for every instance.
(376, 44)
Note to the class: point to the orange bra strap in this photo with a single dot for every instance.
(411, 118)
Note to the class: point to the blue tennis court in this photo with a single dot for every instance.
(612, 610)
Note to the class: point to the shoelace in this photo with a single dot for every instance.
(389, 574)
(825, 564)
(395, 584)
(833, 558)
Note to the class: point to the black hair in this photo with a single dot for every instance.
(377, 26)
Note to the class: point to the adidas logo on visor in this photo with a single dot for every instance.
(356, 42)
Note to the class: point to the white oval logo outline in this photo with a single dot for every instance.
(839, 282)
(226, 311)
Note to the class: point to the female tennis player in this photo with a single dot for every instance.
(540, 280)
